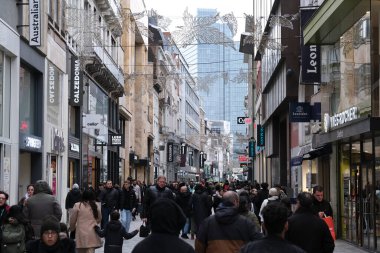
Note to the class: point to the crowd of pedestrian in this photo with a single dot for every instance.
(225, 217)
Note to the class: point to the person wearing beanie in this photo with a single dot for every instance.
(41, 204)
(50, 241)
(114, 233)
(167, 220)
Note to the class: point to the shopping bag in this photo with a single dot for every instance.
(330, 223)
(144, 230)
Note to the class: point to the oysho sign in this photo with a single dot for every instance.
(34, 23)
(340, 118)
(51, 86)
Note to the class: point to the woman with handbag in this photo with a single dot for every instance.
(85, 215)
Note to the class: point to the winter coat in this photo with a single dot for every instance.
(63, 246)
(163, 243)
(322, 206)
(38, 207)
(167, 221)
(82, 221)
(202, 204)
(184, 200)
(128, 199)
(271, 244)
(13, 237)
(152, 194)
(226, 231)
(109, 198)
(114, 234)
(309, 232)
(3, 213)
(72, 197)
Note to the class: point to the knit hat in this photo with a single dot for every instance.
(50, 223)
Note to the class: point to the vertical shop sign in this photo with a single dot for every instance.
(34, 23)
(76, 85)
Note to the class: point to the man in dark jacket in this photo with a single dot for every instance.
(275, 224)
(307, 230)
(109, 198)
(184, 200)
(153, 193)
(226, 231)
(167, 219)
(321, 206)
(202, 204)
(128, 204)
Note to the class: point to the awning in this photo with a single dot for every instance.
(356, 128)
(332, 19)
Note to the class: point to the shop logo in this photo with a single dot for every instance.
(35, 23)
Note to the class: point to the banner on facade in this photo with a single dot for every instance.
(170, 152)
(53, 86)
(116, 140)
(76, 84)
(35, 23)
(260, 135)
(310, 54)
(299, 112)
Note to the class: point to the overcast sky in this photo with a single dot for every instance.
(173, 9)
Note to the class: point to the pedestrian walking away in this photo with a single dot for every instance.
(167, 219)
(114, 233)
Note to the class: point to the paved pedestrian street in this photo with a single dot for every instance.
(340, 245)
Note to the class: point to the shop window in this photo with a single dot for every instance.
(29, 103)
(5, 88)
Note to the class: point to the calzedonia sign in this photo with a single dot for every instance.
(76, 84)
(35, 23)
(340, 118)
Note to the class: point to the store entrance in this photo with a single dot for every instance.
(359, 204)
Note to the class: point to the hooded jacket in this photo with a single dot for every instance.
(114, 234)
(40, 205)
(166, 223)
(226, 231)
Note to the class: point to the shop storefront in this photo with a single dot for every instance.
(350, 115)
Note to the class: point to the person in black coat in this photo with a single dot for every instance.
(49, 239)
(184, 200)
(307, 230)
(128, 204)
(114, 234)
(152, 194)
(321, 206)
(72, 197)
(202, 204)
(261, 196)
(167, 219)
(274, 225)
(109, 198)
